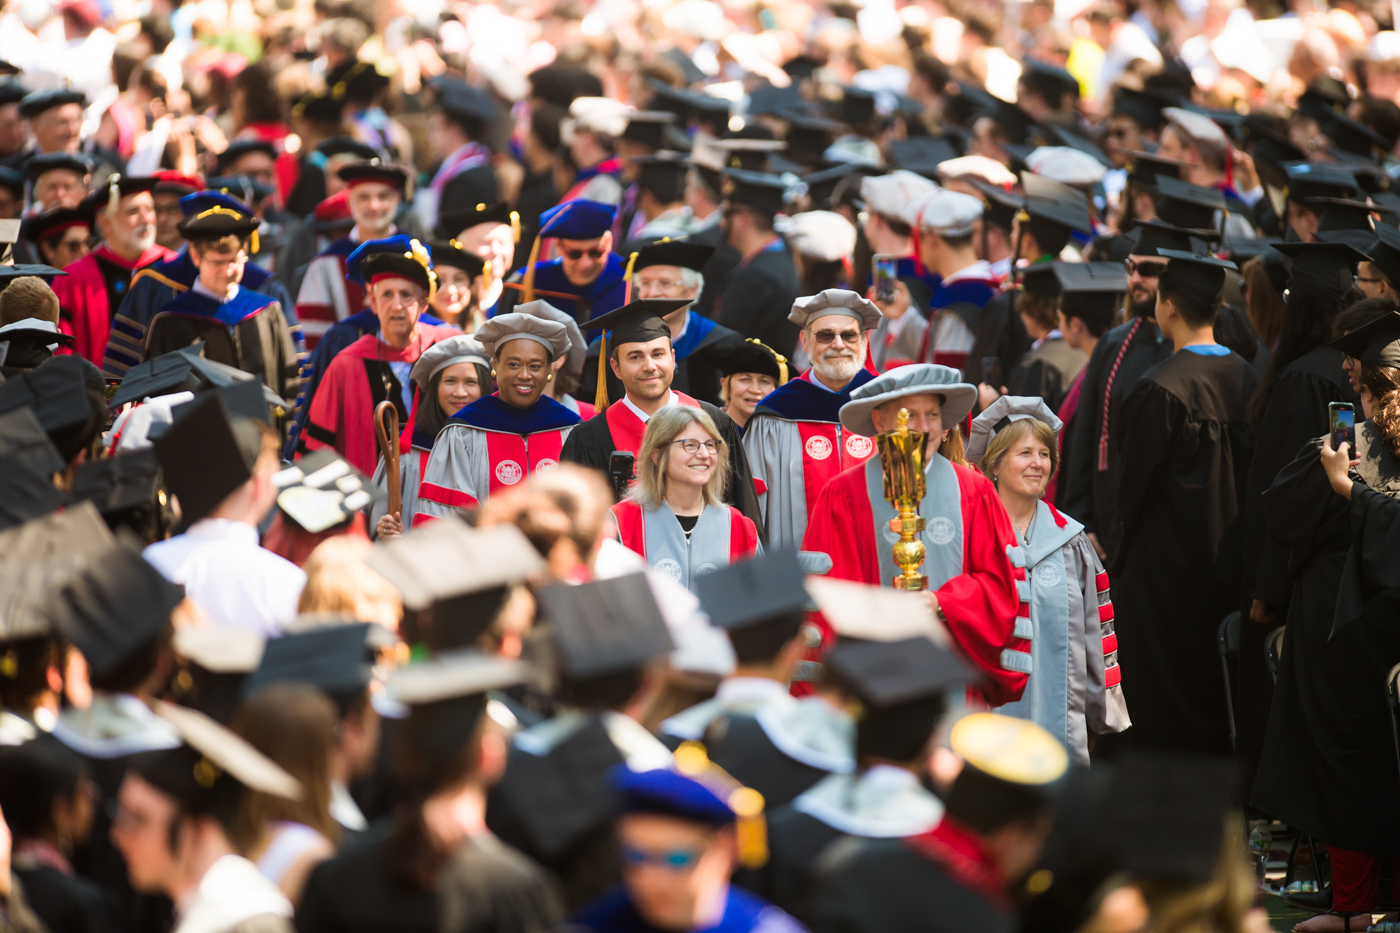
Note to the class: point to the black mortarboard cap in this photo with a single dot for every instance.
(1015, 123)
(751, 357)
(446, 696)
(647, 127)
(1241, 249)
(1002, 206)
(1151, 235)
(750, 153)
(13, 179)
(922, 154)
(662, 170)
(1385, 253)
(118, 485)
(1352, 136)
(822, 186)
(242, 399)
(1077, 141)
(766, 100)
(114, 607)
(28, 461)
(755, 190)
(1182, 204)
(444, 560)
(808, 135)
(335, 659)
(51, 223)
(668, 252)
(319, 108)
(1319, 180)
(56, 391)
(11, 91)
(640, 321)
(373, 171)
(1200, 276)
(1178, 800)
(605, 626)
(857, 105)
(561, 84)
(1370, 175)
(460, 100)
(346, 145)
(888, 673)
(753, 591)
(1341, 214)
(1049, 200)
(219, 222)
(1049, 81)
(323, 491)
(450, 253)
(1324, 97)
(37, 556)
(182, 370)
(1326, 267)
(1142, 107)
(452, 223)
(1377, 343)
(1091, 277)
(39, 164)
(1040, 279)
(36, 102)
(206, 454)
(1145, 167)
(240, 147)
(964, 107)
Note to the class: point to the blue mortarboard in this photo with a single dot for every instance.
(669, 793)
(579, 219)
(400, 254)
(202, 201)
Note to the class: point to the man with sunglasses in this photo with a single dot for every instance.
(586, 279)
(61, 236)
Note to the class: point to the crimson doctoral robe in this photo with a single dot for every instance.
(91, 292)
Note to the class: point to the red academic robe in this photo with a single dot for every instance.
(342, 410)
(979, 606)
(84, 303)
(743, 533)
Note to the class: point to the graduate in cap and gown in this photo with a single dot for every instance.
(764, 281)
(500, 439)
(1186, 446)
(888, 233)
(1051, 367)
(437, 866)
(554, 803)
(638, 348)
(1075, 687)
(749, 373)
(93, 289)
(681, 832)
(674, 269)
(397, 276)
(156, 285)
(237, 326)
(795, 440)
(448, 377)
(901, 681)
(753, 727)
(1324, 765)
(587, 279)
(463, 174)
(974, 565)
(960, 874)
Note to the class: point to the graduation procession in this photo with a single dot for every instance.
(699, 466)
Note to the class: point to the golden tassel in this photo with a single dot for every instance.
(514, 227)
(530, 270)
(600, 395)
(751, 828)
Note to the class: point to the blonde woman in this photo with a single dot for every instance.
(674, 516)
(1074, 689)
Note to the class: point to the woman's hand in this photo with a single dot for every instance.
(1336, 462)
(896, 307)
(389, 525)
(986, 394)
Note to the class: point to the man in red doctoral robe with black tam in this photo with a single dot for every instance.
(95, 285)
(974, 568)
(397, 277)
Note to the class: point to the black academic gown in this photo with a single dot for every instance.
(717, 268)
(591, 444)
(1295, 414)
(1089, 494)
(1000, 332)
(796, 842)
(738, 744)
(697, 367)
(1328, 761)
(485, 887)
(1186, 449)
(758, 298)
(67, 903)
(1047, 372)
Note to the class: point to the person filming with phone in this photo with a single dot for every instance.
(1327, 762)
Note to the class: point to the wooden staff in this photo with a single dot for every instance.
(388, 435)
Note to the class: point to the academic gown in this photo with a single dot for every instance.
(605, 293)
(554, 802)
(484, 887)
(1186, 433)
(887, 349)
(155, 285)
(462, 180)
(758, 297)
(718, 539)
(697, 373)
(717, 268)
(592, 443)
(326, 295)
(955, 308)
(1000, 332)
(974, 565)
(883, 802)
(790, 440)
(743, 913)
(66, 902)
(487, 447)
(1090, 493)
(1327, 766)
(941, 881)
(1296, 413)
(91, 291)
(246, 332)
(341, 413)
(1047, 371)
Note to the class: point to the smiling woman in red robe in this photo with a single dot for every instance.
(398, 277)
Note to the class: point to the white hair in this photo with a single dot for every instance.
(689, 279)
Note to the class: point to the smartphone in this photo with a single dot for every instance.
(1341, 416)
(991, 371)
(885, 274)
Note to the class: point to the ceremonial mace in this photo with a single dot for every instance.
(902, 466)
(388, 435)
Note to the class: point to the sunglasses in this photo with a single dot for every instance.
(675, 860)
(1148, 270)
(575, 255)
(829, 336)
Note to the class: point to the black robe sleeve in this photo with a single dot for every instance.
(1371, 566)
(1150, 417)
(1037, 377)
(590, 444)
(758, 299)
(1075, 493)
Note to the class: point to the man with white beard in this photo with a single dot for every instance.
(94, 287)
(794, 440)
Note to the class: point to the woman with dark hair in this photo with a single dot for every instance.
(448, 377)
(1327, 765)
(457, 269)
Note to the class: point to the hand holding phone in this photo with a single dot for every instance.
(885, 273)
(1341, 420)
(991, 371)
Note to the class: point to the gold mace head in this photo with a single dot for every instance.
(902, 421)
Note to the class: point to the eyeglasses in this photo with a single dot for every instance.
(675, 860)
(829, 336)
(1365, 281)
(692, 446)
(663, 284)
(1150, 269)
(575, 255)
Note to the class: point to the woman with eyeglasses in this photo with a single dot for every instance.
(675, 517)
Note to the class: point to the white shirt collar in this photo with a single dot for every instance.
(978, 270)
(199, 288)
(671, 399)
(231, 891)
(344, 810)
(223, 528)
(735, 689)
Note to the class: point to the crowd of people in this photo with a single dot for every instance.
(449, 454)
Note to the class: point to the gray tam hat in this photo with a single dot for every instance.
(464, 348)
(1001, 414)
(577, 345)
(835, 301)
(551, 335)
(918, 379)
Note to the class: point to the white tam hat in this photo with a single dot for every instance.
(516, 326)
(890, 194)
(1065, 165)
(823, 235)
(835, 301)
(980, 167)
(946, 213)
(1001, 414)
(918, 379)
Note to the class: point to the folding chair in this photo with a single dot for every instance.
(1273, 651)
(1227, 642)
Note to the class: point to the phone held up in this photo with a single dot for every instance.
(1341, 420)
(991, 371)
(885, 274)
